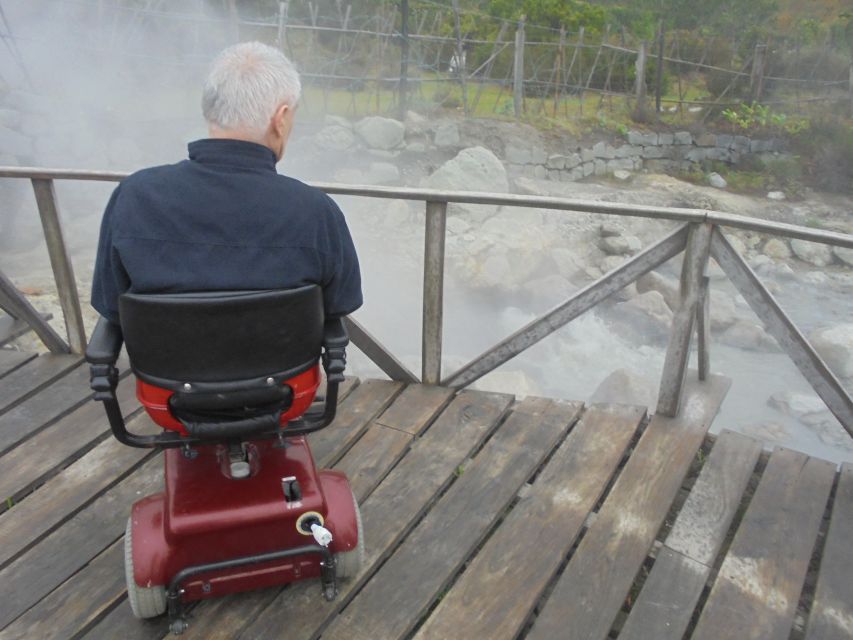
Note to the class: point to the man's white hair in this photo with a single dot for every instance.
(246, 84)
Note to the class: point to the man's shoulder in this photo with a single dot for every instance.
(152, 176)
(298, 191)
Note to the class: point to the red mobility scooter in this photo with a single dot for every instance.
(231, 377)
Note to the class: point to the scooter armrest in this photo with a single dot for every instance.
(105, 343)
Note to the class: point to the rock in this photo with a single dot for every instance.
(622, 175)
(722, 311)
(820, 255)
(667, 287)
(568, 262)
(835, 346)
(334, 138)
(683, 137)
(624, 386)
(380, 133)
(777, 249)
(620, 245)
(814, 278)
(473, 169)
(610, 230)
(796, 405)
(844, 255)
(383, 173)
(717, 181)
(416, 147)
(609, 263)
(446, 135)
(776, 195)
(768, 432)
(747, 335)
(648, 312)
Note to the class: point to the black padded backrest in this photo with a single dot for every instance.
(222, 337)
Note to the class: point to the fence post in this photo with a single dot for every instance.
(640, 84)
(558, 74)
(678, 352)
(756, 77)
(404, 58)
(518, 70)
(63, 272)
(433, 302)
(659, 70)
(460, 56)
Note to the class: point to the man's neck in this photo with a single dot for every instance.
(231, 134)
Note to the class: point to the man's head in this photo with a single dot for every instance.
(251, 94)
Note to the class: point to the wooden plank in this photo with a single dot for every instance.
(29, 379)
(11, 360)
(41, 410)
(758, 586)
(591, 590)
(69, 491)
(33, 460)
(392, 509)
(30, 577)
(76, 603)
(500, 587)
(670, 593)
(412, 412)
(831, 617)
(367, 400)
(392, 602)
(20, 308)
(372, 456)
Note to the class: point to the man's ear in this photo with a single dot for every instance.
(278, 119)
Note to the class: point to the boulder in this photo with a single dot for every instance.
(620, 245)
(446, 135)
(622, 175)
(334, 138)
(844, 255)
(383, 173)
(568, 262)
(473, 169)
(777, 249)
(624, 386)
(380, 133)
(717, 181)
(835, 346)
(820, 255)
(667, 287)
(744, 334)
(796, 405)
(776, 195)
(647, 313)
(722, 311)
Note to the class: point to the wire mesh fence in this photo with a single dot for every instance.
(425, 55)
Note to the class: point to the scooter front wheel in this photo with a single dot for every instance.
(146, 602)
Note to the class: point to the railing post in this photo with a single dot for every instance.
(63, 272)
(703, 330)
(433, 303)
(678, 352)
(17, 306)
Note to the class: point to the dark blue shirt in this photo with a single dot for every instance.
(223, 220)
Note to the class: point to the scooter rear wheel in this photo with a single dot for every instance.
(146, 602)
(348, 563)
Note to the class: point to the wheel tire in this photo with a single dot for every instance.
(348, 563)
(146, 602)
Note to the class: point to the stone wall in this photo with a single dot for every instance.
(659, 152)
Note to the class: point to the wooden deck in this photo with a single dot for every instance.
(485, 518)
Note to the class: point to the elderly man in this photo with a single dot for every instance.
(224, 219)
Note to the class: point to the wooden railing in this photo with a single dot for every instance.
(700, 237)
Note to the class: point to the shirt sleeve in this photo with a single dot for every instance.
(109, 279)
(342, 283)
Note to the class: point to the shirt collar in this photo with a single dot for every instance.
(233, 153)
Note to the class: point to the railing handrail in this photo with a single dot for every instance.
(700, 239)
(678, 214)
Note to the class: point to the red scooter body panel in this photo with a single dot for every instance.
(156, 400)
(205, 516)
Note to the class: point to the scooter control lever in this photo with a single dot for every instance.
(321, 534)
